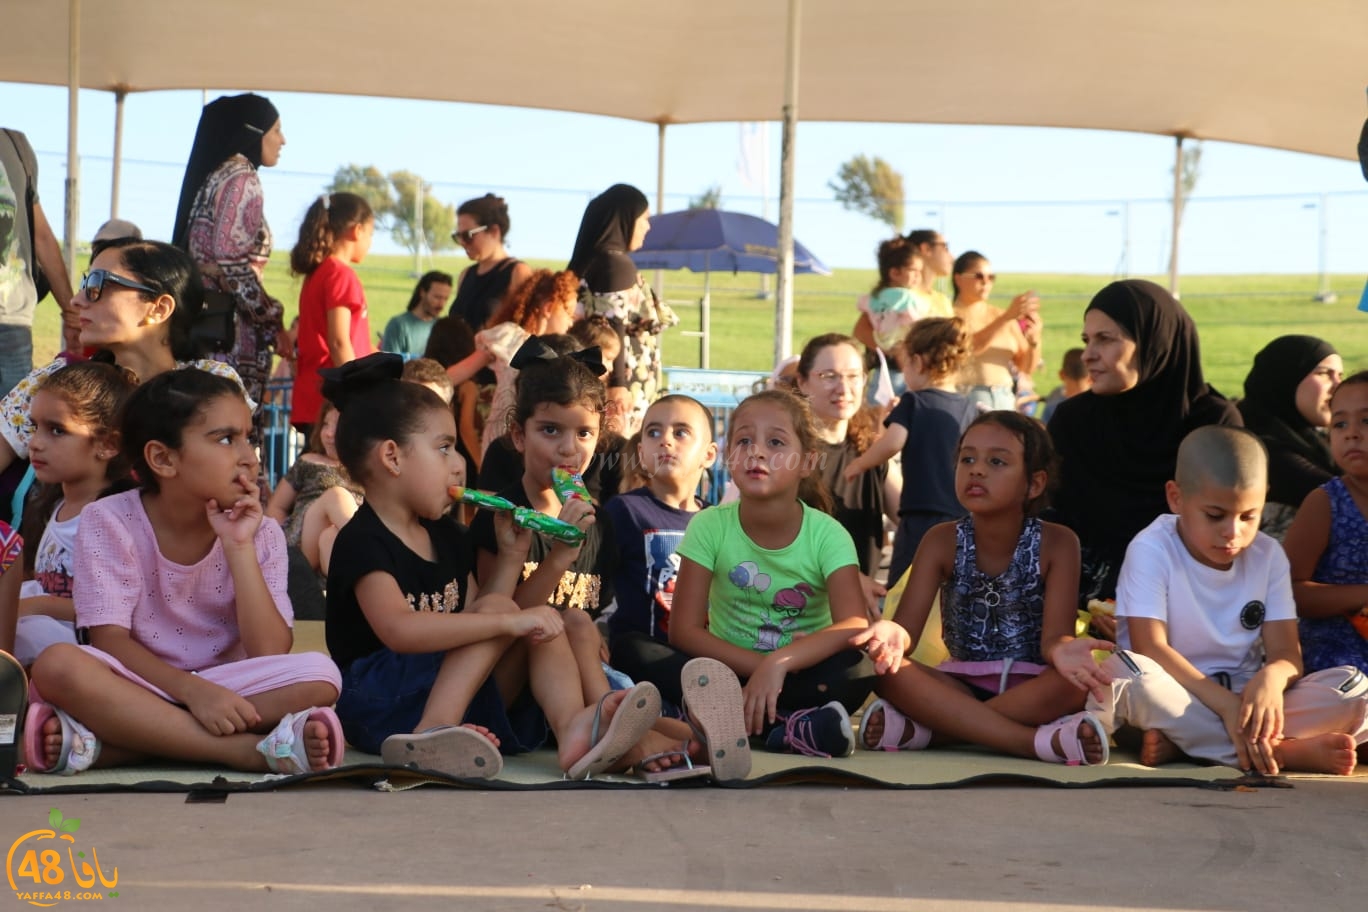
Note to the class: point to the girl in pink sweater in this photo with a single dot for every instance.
(181, 592)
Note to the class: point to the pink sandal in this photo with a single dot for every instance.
(1069, 742)
(895, 727)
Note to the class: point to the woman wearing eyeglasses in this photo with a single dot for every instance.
(614, 224)
(138, 303)
(221, 224)
(831, 374)
(1003, 340)
(481, 229)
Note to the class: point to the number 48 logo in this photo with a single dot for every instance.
(35, 871)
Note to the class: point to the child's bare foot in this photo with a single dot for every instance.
(1093, 752)
(666, 745)
(1331, 752)
(624, 718)
(317, 745)
(1156, 749)
(577, 739)
(871, 732)
(52, 742)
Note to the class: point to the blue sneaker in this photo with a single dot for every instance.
(823, 731)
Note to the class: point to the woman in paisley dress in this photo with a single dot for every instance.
(220, 222)
(614, 224)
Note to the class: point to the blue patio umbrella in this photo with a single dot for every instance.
(704, 240)
(707, 240)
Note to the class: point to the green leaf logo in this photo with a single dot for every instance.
(54, 818)
(71, 825)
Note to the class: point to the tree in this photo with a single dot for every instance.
(1187, 180)
(873, 187)
(394, 196)
(708, 199)
(438, 218)
(369, 183)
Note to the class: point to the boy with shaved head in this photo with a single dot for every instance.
(1208, 663)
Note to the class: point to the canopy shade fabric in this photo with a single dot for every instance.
(1287, 74)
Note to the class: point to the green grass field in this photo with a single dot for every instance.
(1236, 315)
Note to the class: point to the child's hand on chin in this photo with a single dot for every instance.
(237, 523)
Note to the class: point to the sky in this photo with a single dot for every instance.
(1031, 199)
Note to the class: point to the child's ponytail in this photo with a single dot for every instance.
(375, 405)
(326, 220)
(897, 253)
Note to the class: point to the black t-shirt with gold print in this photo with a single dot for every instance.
(364, 545)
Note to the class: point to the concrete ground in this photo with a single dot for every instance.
(343, 847)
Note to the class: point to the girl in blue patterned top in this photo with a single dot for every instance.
(1327, 542)
(1017, 676)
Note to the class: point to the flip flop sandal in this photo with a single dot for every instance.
(639, 710)
(714, 706)
(284, 748)
(673, 773)
(13, 703)
(895, 735)
(1069, 742)
(452, 750)
(80, 748)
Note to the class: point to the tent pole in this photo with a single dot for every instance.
(783, 299)
(660, 200)
(73, 199)
(1177, 213)
(120, 95)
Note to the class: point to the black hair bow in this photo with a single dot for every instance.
(535, 350)
(340, 384)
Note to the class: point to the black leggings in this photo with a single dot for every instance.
(848, 676)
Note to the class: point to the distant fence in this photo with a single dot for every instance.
(1273, 233)
(720, 391)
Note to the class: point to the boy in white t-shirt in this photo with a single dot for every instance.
(1209, 664)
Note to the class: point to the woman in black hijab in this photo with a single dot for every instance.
(1287, 403)
(615, 223)
(221, 224)
(1118, 442)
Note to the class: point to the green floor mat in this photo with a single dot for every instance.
(538, 770)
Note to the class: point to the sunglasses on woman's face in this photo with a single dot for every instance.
(93, 283)
(982, 276)
(465, 237)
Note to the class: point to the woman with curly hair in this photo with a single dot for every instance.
(543, 305)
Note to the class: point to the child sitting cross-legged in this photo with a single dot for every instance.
(1017, 676)
(432, 675)
(1208, 663)
(181, 587)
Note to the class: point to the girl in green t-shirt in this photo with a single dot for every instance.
(769, 585)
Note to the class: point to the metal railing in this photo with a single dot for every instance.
(281, 444)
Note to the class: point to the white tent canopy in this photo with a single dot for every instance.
(1286, 74)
